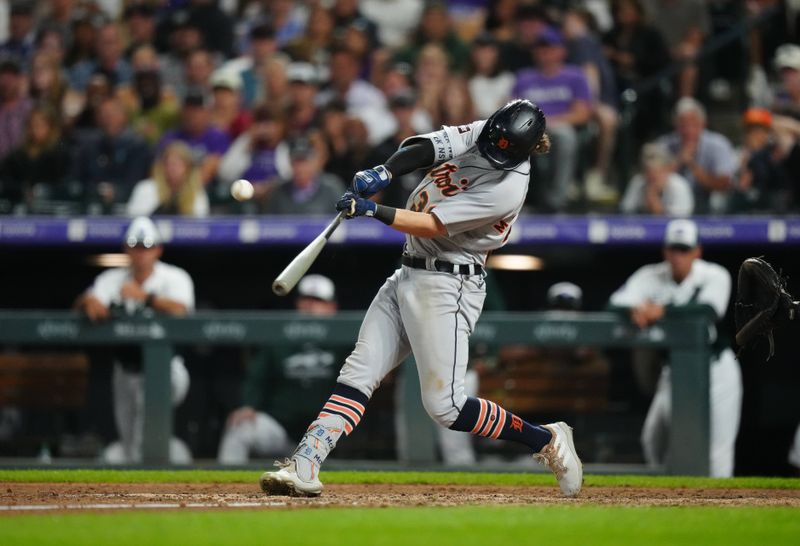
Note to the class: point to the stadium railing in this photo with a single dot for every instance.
(684, 335)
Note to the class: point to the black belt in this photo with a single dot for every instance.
(432, 264)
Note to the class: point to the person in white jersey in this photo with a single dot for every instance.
(684, 279)
(146, 284)
(463, 208)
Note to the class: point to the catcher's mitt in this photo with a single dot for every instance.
(762, 303)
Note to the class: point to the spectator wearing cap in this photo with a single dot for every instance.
(683, 283)
(21, 33)
(562, 92)
(786, 105)
(259, 155)
(348, 12)
(262, 46)
(140, 22)
(309, 191)
(14, 106)
(303, 89)
(705, 158)
(112, 158)
(564, 296)
(227, 113)
(763, 179)
(151, 286)
(490, 83)
(658, 189)
(208, 144)
(403, 108)
(174, 187)
(363, 99)
(108, 59)
(285, 386)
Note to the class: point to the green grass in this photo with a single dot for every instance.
(432, 478)
(464, 526)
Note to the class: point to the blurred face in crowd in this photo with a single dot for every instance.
(266, 133)
(176, 168)
(435, 24)
(627, 13)
(485, 57)
(689, 126)
(756, 137)
(573, 25)
(263, 48)
(790, 78)
(144, 57)
(320, 24)
(50, 41)
(195, 119)
(61, 8)
(529, 28)
(345, 8)
(304, 170)
(111, 117)
(505, 10)
(84, 36)
(431, 65)
(315, 306)
(549, 56)
(186, 39)
(199, 67)
(109, 45)
(98, 90)
(143, 259)
(357, 41)
(656, 173)
(344, 70)
(44, 72)
(141, 27)
(403, 114)
(9, 85)
(334, 122)
(39, 127)
(395, 81)
(680, 260)
(302, 93)
(20, 25)
(226, 98)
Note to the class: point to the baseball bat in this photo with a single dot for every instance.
(293, 272)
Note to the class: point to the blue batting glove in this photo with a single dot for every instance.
(371, 181)
(353, 205)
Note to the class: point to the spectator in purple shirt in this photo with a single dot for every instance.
(562, 92)
(208, 143)
(259, 155)
(14, 107)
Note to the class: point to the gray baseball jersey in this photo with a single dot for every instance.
(476, 202)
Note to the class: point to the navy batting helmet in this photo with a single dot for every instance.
(511, 133)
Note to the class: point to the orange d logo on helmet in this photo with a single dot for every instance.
(502, 143)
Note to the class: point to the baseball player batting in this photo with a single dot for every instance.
(463, 209)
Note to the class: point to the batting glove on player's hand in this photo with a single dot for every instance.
(353, 205)
(371, 181)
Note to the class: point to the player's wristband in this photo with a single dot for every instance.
(385, 214)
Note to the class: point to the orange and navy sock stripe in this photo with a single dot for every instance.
(486, 418)
(348, 403)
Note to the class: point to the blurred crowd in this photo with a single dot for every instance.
(147, 107)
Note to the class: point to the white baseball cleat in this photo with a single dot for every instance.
(286, 481)
(562, 459)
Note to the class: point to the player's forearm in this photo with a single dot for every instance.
(418, 224)
(166, 305)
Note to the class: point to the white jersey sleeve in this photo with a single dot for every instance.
(636, 290)
(178, 286)
(716, 289)
(450, 141)
(483, 204)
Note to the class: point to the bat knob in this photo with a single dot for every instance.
(280, 288)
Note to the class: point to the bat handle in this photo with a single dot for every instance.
(333, 225)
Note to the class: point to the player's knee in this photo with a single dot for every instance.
(440, 409)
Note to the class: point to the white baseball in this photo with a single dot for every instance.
(242, 190)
